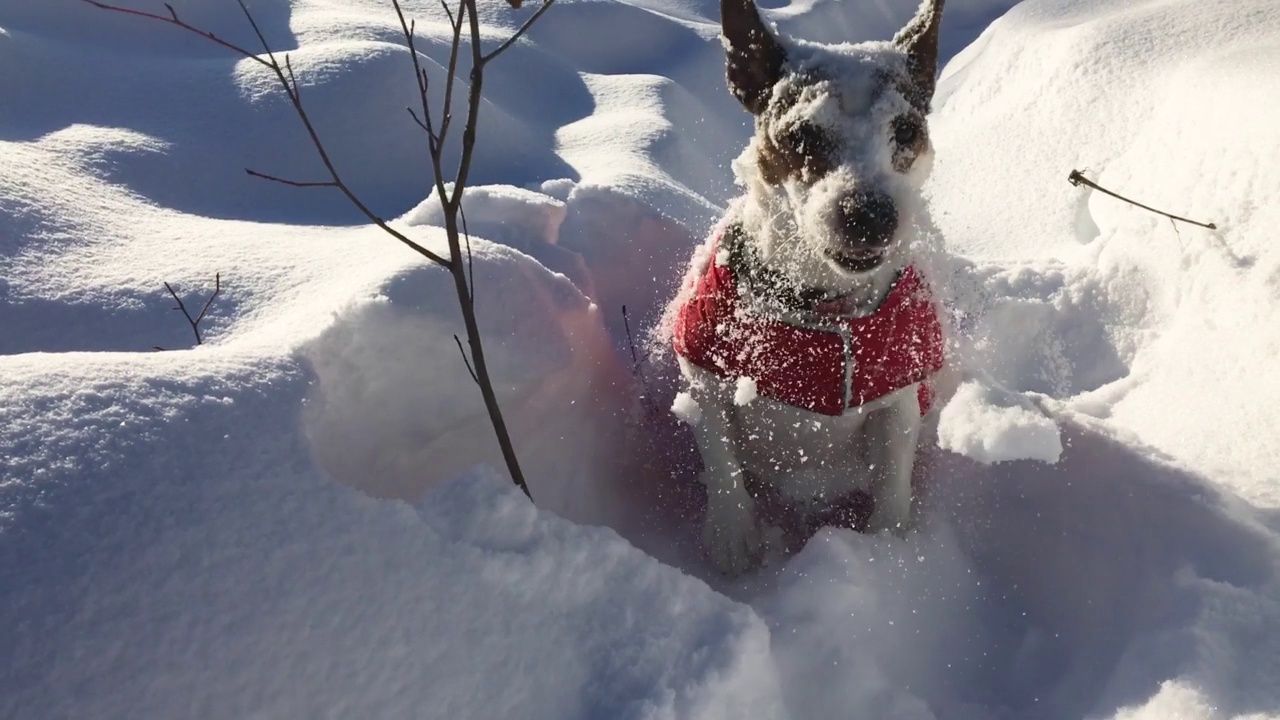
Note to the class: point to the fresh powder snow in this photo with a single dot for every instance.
(307, 516)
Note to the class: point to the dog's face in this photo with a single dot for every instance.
(841, 148)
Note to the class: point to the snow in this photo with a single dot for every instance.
(745, 391)
(991, 426)
(686, 408)
(307, 517)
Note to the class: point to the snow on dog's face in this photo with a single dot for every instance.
(841, 147)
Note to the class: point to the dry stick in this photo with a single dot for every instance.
(626, 323)
(1077, 179)
(457, 341)
(451, 207)
(436, 141)
(195, 323)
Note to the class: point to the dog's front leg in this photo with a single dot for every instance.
(891, 435)
(731, 534)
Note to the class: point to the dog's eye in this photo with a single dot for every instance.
(906, 132)
(809, 144)
(909, 140)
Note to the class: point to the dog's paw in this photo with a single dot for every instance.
(732, 535)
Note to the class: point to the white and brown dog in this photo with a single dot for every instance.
(805, 330)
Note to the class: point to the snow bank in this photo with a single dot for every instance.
(1169, 330)
(171, 553)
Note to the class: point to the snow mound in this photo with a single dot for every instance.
(1164, 330)
(301, 517)
(992, 426)
(212, 570)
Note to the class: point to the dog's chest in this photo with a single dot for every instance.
(825, 363)
(803, 454)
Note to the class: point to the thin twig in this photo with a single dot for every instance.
(546, 5)
(284, 74)
(626, 323)
(416, 121)
(463, 276)
(173, 20)
(445, 4)
(217, 288)
(471, 271)
(451, 70)
(1077, 178)
(465, 361)
(420, 76)
(195, 322)
(473, 104)
(292, 183)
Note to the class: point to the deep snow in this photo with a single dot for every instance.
(296, 520)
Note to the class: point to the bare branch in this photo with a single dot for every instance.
(462, 275)
(217, 288)
(1077, 178)
(292, 183)
(626, 323)
(471, 271)
(194, 322)
(465, 361)
(174, 20)
(266, 47)
(288, 81)
(419, 75)
(416, 120)
(451, 70)
(445, 4)
(473, 104)
(546, 5)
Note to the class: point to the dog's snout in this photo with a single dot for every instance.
(869, 219)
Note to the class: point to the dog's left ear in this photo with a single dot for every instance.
(754, 58)
(919, 40)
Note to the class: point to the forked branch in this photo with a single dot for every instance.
(194, 322)
(460, 269)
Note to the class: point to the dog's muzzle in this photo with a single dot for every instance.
(868, 221)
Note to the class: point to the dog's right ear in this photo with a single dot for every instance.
(754, 56)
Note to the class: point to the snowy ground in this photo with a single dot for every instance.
(295, 519)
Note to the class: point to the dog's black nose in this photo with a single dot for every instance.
(869, 219)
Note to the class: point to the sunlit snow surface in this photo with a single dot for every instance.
(295, 519)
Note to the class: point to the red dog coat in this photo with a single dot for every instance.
(822, 362)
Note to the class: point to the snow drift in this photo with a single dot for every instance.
(300, 518)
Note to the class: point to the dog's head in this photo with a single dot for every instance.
(841, 146)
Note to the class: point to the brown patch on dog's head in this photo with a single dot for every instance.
(801, 151)
(841, 130)
(805, 151)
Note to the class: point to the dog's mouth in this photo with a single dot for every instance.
(857, 260)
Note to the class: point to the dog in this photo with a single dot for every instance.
(805, 335)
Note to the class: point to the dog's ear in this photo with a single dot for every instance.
(919, 40)
(754, 57)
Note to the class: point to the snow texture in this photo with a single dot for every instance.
(991, 426)
(306, 515)
(745, 391)
(686, 408)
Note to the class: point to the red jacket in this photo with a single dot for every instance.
(825, 363)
